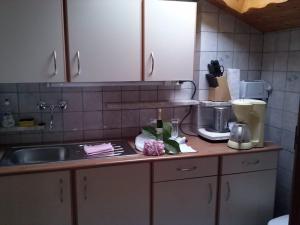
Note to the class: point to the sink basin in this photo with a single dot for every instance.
(38, 155)
(62, 152)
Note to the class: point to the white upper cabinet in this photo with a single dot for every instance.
(105, 40)
(170, 29)
(31, 41)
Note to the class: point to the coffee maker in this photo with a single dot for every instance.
(251, 113)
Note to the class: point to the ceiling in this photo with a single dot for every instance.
(271, 18)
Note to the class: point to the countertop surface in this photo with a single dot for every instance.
(203, 148)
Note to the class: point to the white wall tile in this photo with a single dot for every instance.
(112, 119)
(209, 41)
(225, 41)
(269, 42)
(226, 22)
(280, 61)
(295, 37)
(293, 82)
(255, 61)
(291, 102)
(241, 42)
(279, 81)
(256, 43)
(268, 61)
(282, 41)
(205, 58)
(240, 60)
(267, 76)
(225, 59)
(293, 63)
(209, 22)
(276, 100)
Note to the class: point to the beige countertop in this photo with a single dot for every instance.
(204, 149)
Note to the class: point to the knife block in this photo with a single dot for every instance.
(220, 93)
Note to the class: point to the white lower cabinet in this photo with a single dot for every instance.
(185, 191)
(248, 198)
(114, 195)
(35, 199)
(185, 202)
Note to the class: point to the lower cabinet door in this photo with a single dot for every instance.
(247, 198)
(114, 195)
(185, 202)
(35, 199)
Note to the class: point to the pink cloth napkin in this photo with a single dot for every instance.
(98, 149)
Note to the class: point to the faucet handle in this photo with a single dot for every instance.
(63, 105)
(42, 105)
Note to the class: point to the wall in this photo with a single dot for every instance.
(226, 38)
(87, 116)
(281, 68)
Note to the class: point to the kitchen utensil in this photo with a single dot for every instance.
(215, 69)
(221, 115)
(240, 137)
(212, 81)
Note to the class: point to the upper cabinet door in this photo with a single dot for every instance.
(104, 40)
(31, 41)
(170, 29)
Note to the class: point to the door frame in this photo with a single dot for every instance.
(295, 197)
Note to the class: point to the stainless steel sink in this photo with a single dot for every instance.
(62, 152)
(38, 155)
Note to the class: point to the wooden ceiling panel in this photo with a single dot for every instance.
(271, 18)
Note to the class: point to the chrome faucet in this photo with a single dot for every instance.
(42, 106)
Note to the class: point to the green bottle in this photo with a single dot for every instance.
(159, 126)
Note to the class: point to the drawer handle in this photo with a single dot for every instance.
(54, 63)
(228, 191)
(210, 193)
(251, 163)
(187, 169)
(85, 187)
(61, 190)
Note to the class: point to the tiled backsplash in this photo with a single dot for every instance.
(281, 68)
(87, 117)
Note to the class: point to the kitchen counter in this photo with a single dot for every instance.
(204, 149)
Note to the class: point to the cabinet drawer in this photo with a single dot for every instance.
(249, 162)
(185, 168)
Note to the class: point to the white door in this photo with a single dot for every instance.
(31, 41)
(185, 202)
(35, 199)
(247, 198)
(170, 29)
(115, 195)
(105, 40)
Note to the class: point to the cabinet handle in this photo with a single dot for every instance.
(61, 190)
(187, 169)
(85, 188)
(228, 191)
(152, 63)
(210, 188)
(78, 63)
(55, 63)
(251, 163)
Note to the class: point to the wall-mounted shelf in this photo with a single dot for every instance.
(21, 129)
(150, 105)
(214, 104)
